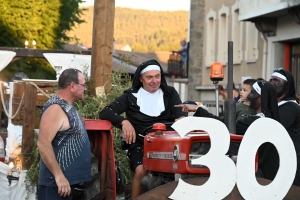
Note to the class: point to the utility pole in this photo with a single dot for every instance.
(102, 45)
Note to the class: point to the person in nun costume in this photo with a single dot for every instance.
(150, 100)
(262, 99)
(289, 109)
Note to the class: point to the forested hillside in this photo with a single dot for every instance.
(143, 30)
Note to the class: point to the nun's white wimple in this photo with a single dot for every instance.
(257, 88)
(150, 67)
(279, 75)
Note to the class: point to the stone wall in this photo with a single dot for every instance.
(196, 39)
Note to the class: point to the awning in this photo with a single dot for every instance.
(81, 62)
(5, 58)
(64, 60)
(77, 61)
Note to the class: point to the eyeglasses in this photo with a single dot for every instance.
(83, 85)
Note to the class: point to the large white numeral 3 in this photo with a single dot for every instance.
(222, 168)
(224, 174)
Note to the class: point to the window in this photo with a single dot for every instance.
(251, 53)
(223, 35)
(237, 32)
(211, 38)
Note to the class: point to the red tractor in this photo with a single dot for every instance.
(167, 156)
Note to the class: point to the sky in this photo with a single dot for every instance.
(154, 5)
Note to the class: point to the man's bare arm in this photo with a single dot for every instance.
(53, 120)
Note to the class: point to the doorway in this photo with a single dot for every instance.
(295, 66)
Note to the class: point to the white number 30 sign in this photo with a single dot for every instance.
(223, 172)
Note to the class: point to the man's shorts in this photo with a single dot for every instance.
(50, 193)
(135, 155)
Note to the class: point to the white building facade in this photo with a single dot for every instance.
(279, 22)
(221, 25)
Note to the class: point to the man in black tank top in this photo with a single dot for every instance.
(63, 141)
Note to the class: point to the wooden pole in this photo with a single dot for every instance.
(102, 45)
(28, 124)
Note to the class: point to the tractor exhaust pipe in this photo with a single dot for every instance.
(229, 111)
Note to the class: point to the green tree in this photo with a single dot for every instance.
(140, 29)
(47, 22)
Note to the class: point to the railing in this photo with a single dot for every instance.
(175, 65)
(211, 107)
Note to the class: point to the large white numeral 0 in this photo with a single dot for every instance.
(222, 169)
(261, 131)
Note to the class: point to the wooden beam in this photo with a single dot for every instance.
(38, 53)
(103, 31)
(28, 124)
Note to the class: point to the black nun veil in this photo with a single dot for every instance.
(269, 105)
(267, 154)
(290, 93)
(137, 84)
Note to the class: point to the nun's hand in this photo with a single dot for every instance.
(128, 131)
(187, 107)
